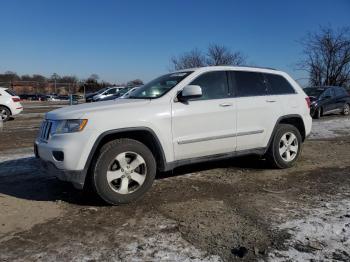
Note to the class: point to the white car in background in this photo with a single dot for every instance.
(10, 104)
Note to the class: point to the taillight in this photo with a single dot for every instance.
(308, 102)
(16, 99)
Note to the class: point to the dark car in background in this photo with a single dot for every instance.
(33, 97)
(327, 100)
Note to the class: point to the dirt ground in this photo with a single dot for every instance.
(233, 210)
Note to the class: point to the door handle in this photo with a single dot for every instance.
(225, 104)
(270, 101)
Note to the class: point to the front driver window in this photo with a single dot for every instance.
(214, 85)
(328, 93)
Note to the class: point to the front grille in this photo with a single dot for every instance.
(45, 130)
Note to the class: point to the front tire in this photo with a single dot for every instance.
(285, 147)
(124, 171)
(318, 113)
(346, 109)
(4, 113)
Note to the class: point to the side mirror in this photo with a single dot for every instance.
(190, 91)
(327, 97)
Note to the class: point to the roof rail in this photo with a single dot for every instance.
(260, 67)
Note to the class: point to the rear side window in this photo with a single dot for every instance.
(248, 84)
(111, 91)
(278, 85)
(214, 85)
(339, 91)
(11, 92)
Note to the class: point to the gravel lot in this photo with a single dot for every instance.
(223, 211)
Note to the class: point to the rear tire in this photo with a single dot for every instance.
(346, 109)
(4, 113)
(285, 147)
(123, 172)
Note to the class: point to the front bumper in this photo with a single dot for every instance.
(70, 164)
(17, 109)
(77, 178)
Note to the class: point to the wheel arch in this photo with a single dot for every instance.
(144, 135)
(295, 120)
(1, 105)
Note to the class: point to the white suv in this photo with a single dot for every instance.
(179, 118)
(10, 104)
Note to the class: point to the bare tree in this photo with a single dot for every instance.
(221, 55)
(191, 59)
(135, 82)
(215, 55)
(327, 57)
(94, 77)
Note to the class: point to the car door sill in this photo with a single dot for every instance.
(210, 158)
(332, 111)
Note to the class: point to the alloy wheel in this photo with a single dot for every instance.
(288, 147)
(127, 172)
(3, 114)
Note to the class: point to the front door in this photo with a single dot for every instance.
(328, 101)
(206, 125)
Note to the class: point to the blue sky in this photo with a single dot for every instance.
(123, 40)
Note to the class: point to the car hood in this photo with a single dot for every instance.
(83, 110)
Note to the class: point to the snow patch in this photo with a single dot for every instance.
(330, 128)
(323, 235)
(16, 154)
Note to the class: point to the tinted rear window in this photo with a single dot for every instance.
(339, 91)
(11, 92)
(249, 84)
(312, 91)
(278, 85)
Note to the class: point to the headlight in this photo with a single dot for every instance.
(67, 126)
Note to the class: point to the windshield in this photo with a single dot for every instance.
(312, 91)
(124, 90)
(127, 94)
(102, 90)
(159, 86)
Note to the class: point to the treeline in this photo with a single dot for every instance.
(37, 83)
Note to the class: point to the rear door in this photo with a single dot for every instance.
(207, 125)
(340, 96)
(282, 93)
(257, 112)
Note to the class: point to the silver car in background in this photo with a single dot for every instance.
(108, 92)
